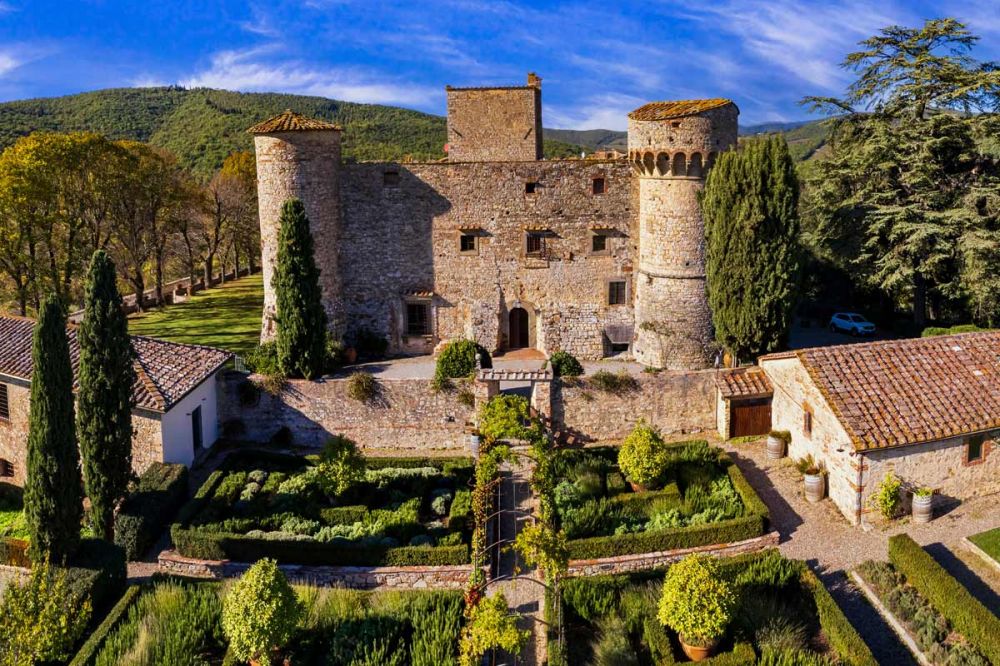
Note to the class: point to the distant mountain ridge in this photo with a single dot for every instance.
(201, 125)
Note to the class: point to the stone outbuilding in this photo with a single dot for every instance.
(743, 402)
(176, 413)
(927, 409)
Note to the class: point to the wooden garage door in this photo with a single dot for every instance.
(749, 417)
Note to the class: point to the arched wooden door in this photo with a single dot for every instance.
(517, 327)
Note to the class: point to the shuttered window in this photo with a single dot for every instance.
(4, 403)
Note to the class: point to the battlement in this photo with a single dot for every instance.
(495, 124)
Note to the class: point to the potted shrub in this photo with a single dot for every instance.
(777, 443)
(260, 613)
(887, 499)
(923, 505)
(815, 481)
(641, 457)
(697, 603)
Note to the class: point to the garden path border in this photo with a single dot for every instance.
(644, 561)
(979, 552)
(890, 619)
(440, 577)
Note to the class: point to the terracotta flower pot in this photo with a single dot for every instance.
(698, 652)
(637, 488)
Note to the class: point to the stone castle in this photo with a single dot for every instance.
(593, 256)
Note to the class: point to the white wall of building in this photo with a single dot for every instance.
(178, 436)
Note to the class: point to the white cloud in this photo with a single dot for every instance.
(147, 81)
(605, 111)
(8, 63)
(252, 71)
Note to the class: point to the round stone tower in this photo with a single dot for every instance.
(671, 146)
(299, 157)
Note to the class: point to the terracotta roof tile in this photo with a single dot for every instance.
(744, 383)
(899, 392)
(165, 371)
(289, 121)
(677, 109)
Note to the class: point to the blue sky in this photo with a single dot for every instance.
(598, 60)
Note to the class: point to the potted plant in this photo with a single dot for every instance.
(642, 457)
(923, 505)
(777, 443)
(260, 613)
(697, 603)
(815, 481)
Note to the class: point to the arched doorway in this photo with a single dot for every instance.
(517, 327)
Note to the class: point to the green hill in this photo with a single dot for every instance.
(202, 125)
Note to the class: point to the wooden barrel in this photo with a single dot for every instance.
(923, 508)
(815, 487)
(775, 448)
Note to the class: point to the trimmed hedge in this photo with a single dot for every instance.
(841, 634)
(968, 616)
(145, 513)
(241, 548)
(753, 524)
(408, 463)
(87, 653)
(98, 567)
(669, 492)
(741, 655)
(343, 515)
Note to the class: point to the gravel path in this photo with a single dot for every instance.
(819, 534)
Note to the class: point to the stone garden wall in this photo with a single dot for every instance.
(361, 578)
(678, 403)
(406, 414)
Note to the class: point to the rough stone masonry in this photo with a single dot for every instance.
(595, 257)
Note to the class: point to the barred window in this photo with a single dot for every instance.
(6, 468)
(534, 244)
(467, 243)
(418, 320)
(4, 403)
(616, 292)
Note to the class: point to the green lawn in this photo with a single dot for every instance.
(12, 524)
(989, 542)
(227, 317)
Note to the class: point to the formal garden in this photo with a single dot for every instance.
(261, 618)
(946, 624)
(334, 508)
(989, 543)
(651, 496)
(759, 608)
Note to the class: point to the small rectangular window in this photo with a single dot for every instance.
(807, 422)
(418, 320)
(598, 243)
(599, 185)
(530, 187)
(6, 468)
(4, 403)
(467, 243)
(616, 292)
(390, 179)
(534, 244)
(974, 449)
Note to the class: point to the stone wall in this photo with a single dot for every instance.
(678, 403)
(939, 465)
(362, 578)
(147, 443)
(628, 563)
(794, 394)
(401, 242)
(495, 124)
(406, 414)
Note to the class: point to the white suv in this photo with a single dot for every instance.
(852, 323)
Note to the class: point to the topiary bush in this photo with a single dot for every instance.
(642, 457)
(697, 602)
(260, 612)
(340, 465)
(565, 364)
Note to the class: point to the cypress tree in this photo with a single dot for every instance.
(301, 320)
(53, 502)
(106, 376)
(750, 206)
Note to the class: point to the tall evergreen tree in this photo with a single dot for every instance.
(750, 205)
(53, 502)
(106, 376)
(301, 320)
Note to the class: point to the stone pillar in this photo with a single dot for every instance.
(541, 398)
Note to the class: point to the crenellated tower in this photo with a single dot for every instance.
(299, 157)
(671, 147)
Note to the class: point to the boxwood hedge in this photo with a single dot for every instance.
(969, 617)
(145, 513)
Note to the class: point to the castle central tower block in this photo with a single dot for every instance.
(671, 146)
(299, 157)
(495, 124)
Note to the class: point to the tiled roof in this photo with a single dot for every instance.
(289, 121)
(165, 371)
(899, 392)
(678, 109)
(744, 383)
